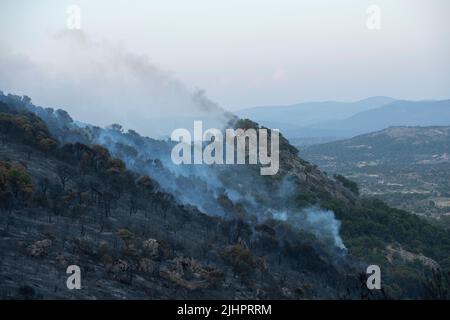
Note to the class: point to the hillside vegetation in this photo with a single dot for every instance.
(137, 235)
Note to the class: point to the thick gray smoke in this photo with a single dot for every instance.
(201, 185)
(101, 83)
(206, 187)
(106, 85)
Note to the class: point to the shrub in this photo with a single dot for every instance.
(351, 185)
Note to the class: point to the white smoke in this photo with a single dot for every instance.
(102, 84)
(322, 223)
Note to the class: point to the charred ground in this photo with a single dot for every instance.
(74, 203)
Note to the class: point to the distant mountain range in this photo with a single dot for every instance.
(310, 113)
(308, 123)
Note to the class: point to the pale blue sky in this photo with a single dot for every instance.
(257, 52)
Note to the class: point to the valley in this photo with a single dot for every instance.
(408, 167)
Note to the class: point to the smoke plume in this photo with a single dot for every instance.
(101, 83)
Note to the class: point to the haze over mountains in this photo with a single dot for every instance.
(307, 123)
(310, 113)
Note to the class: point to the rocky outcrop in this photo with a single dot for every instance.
(190, 274)
(39, 248)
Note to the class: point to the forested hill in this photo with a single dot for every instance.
(137, 233)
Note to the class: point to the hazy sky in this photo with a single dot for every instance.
(252, 52)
